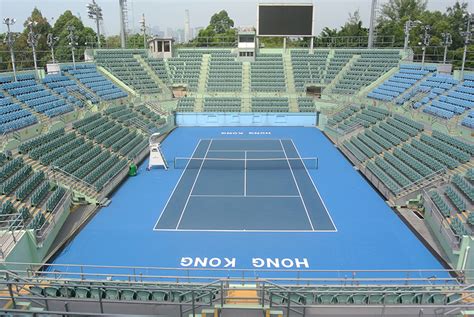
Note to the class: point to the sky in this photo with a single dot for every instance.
(169, 13)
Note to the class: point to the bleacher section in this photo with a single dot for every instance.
(306, 104)
(222, 104)
(88, 76)
(36, 96)
(397, 151)
(454, 202)
(64, 86)
(185, 104)
(270, 104)
(399, 83)
(72, 154)
(436, 94)
(365, 70)
(159, 66)
(225, 73)
(124, 66)
(185, 68)
(27, 196)
(267, 73)
(456, 101)
(308, 68)
(13, 116)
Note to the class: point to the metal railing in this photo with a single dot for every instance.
(188, 289)
(52, 219)
(442, 224)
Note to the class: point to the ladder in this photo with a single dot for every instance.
(157, 157)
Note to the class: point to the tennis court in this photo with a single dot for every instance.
(245, 185)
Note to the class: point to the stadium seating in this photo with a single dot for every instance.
(88, 76)
(64, 85)
(267, 73)
(13, 116)
(160, 68)
(404, 154)
(366, 69)
(186, 68)
(35, 96)
(225, 74)
(78, 156)
(222, 104)
(123, 64)
(270, 104)
(185, 104)
(308, 68)
(407, 76)
(436, 94)
(306, 104)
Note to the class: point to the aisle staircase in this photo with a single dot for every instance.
(288, 68)
(342, 73)
(163, 87)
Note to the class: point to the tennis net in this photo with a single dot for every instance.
(246, 164)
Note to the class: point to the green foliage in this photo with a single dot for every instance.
(220, 31)
(84, 35)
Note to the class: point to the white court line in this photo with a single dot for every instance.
(316, 188)
(245, 173)
(297, 187)
(244, 230)
(176, 186)
(251, 196)
(245, 151)
(194, 184)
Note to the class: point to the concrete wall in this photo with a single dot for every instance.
(212, 119)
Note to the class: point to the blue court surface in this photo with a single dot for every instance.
(328, 218)
(245, 185)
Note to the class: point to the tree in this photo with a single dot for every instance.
(219, 31)
(42, 28)
(457, 20)
(85, 36)
(393, 16)
(399, 10)
(221, 22)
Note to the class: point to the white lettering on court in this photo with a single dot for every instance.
(225, 262)
(275, 263)
(208, 262)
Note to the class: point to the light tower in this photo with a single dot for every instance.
(187, 27)
(95, 13)
(143, 29)
(33, 40)
(467, 39)
(373, 17)
(425, 41)
(9, 40)
(50, 41)
(408, 26)
(72, 43)
(123, 22)
(447, 41)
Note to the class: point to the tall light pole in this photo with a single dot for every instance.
(447, 41)
(50, 41)
(467, 39)
(33, 40)
(9, 40)
(95, 13)
(425, 41)
(72, 43)
(408, 26)
(373, 17)
(143, 29)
